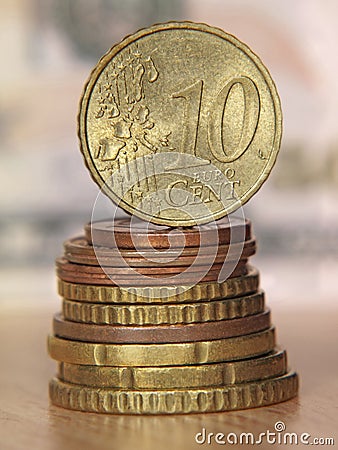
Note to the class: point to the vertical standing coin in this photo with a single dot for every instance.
(180, 124)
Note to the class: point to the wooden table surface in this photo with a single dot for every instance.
(27, 421)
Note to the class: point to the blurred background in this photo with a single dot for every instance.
(48, 48)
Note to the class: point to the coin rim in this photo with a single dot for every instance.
(87, 312)
(86, 95)
(157, 334)
(253, 394)
(211, 290)
(180, 354)
(98, 257)
(97, 233)
(177, 377)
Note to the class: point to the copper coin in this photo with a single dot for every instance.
(78, 273)
(148, 334)
(158, 279)
(161, 294)
(124, 233)
(65, 266)
(77, 250)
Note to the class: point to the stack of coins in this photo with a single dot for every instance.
(163, 347)
(179, 124)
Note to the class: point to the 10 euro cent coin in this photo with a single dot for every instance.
(180, 124)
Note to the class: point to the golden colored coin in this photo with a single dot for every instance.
(180, 123)
(170, 314)
(182, 401)
(202, 352)
(232, 287)
(203, 375)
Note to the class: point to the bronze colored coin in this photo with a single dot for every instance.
(130, 234)
(176, 377)
(65, 266)
(147, 282)
(181, 401)
(120, 334)
(77, 250)
(155, 279)
(166, 314)
(180, 143)
(178, 354)
(231, 287)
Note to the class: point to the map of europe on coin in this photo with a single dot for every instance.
(180, 124)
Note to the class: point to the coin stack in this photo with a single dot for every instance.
(164, 348)
(179, 124)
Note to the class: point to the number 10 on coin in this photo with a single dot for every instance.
(171, 104)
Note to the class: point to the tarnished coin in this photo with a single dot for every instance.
(125, 272)
(77, 250)
(155, 280)
(170, 314)
(180, 354)
(173, 377)
(180, 123)
(126, 233)
(155, 334)
(231, 287)
(118, 276)
(181, 401)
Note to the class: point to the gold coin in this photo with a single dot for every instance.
(171, 314)
(183, 401)
(180, 123)
(232, 287)
(174, 377)
(202, 352)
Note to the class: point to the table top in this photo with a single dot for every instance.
(27, 420)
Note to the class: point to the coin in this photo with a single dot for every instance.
(180, 123)
(173, 377)
(251, 345)
(63, 265)
(181, 401)
(131, 334)
(77, 250)
(108, 276)
(147, 275)
(146, 281)
(156, 314)
(130, 234)
(232, 287)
